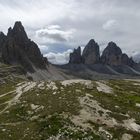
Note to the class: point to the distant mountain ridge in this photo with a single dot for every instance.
(17, 49)
(112, 55)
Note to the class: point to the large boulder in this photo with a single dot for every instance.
(19, 49)
(75, 56)
(91, 53)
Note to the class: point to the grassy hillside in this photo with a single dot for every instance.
(73, 109)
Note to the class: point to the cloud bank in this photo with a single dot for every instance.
(58, 26)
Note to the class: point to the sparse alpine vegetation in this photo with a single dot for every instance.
(70, 110)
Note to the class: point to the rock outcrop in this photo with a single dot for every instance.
(19, 49)
(76, 57)
(2, 41)
(125, 60)
(112, 55)
(91, 53)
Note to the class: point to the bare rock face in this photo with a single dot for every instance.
(111, 55)
(18, 49)
(131, 62)
(91, 53)
(2, 41)
(75, 57)
(125, 59)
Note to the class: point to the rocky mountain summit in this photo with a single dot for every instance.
(112, 55)
(91, 53)
(76, 57)
(17, 49)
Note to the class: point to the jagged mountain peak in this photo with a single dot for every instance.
(18, 27)
(18, 24)
(76, 57)
(92, 41)
(18, 49)
(91, 53)
(2, 34)
(18, 32)
(111, 43)
(112, 55)
(113, 48)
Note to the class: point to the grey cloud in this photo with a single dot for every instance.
(54, 33)
(56, 37)
(120, 19)
(58, 58)
(136, 56)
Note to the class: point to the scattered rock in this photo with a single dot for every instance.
(131, 125)
(81, 81)
(104, 88)
(127, 137)
(105, 134)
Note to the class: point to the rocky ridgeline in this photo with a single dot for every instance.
(112, 55)
(76, 57)
(17, 49)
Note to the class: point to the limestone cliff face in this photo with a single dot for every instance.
(112, 55)
(2, 41)
(75, 57)
(91, 53)
(19, 49)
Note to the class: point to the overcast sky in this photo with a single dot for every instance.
(58, 26)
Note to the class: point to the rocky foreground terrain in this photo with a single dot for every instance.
(68, 109)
